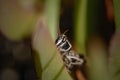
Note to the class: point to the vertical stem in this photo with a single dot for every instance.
(117, 12)
(80, 25)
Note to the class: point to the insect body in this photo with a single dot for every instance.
(70, 58)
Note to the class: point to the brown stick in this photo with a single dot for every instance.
(80, 75)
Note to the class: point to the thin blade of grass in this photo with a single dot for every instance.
(116, 4)
(80, 24)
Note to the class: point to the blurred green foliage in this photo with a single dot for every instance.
(19, 19)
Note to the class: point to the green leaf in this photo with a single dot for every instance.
(52, 11)
(49, 64)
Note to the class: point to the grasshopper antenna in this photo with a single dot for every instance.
(65, 31)
(59, 32)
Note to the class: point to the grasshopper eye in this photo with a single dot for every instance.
(64, 39)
